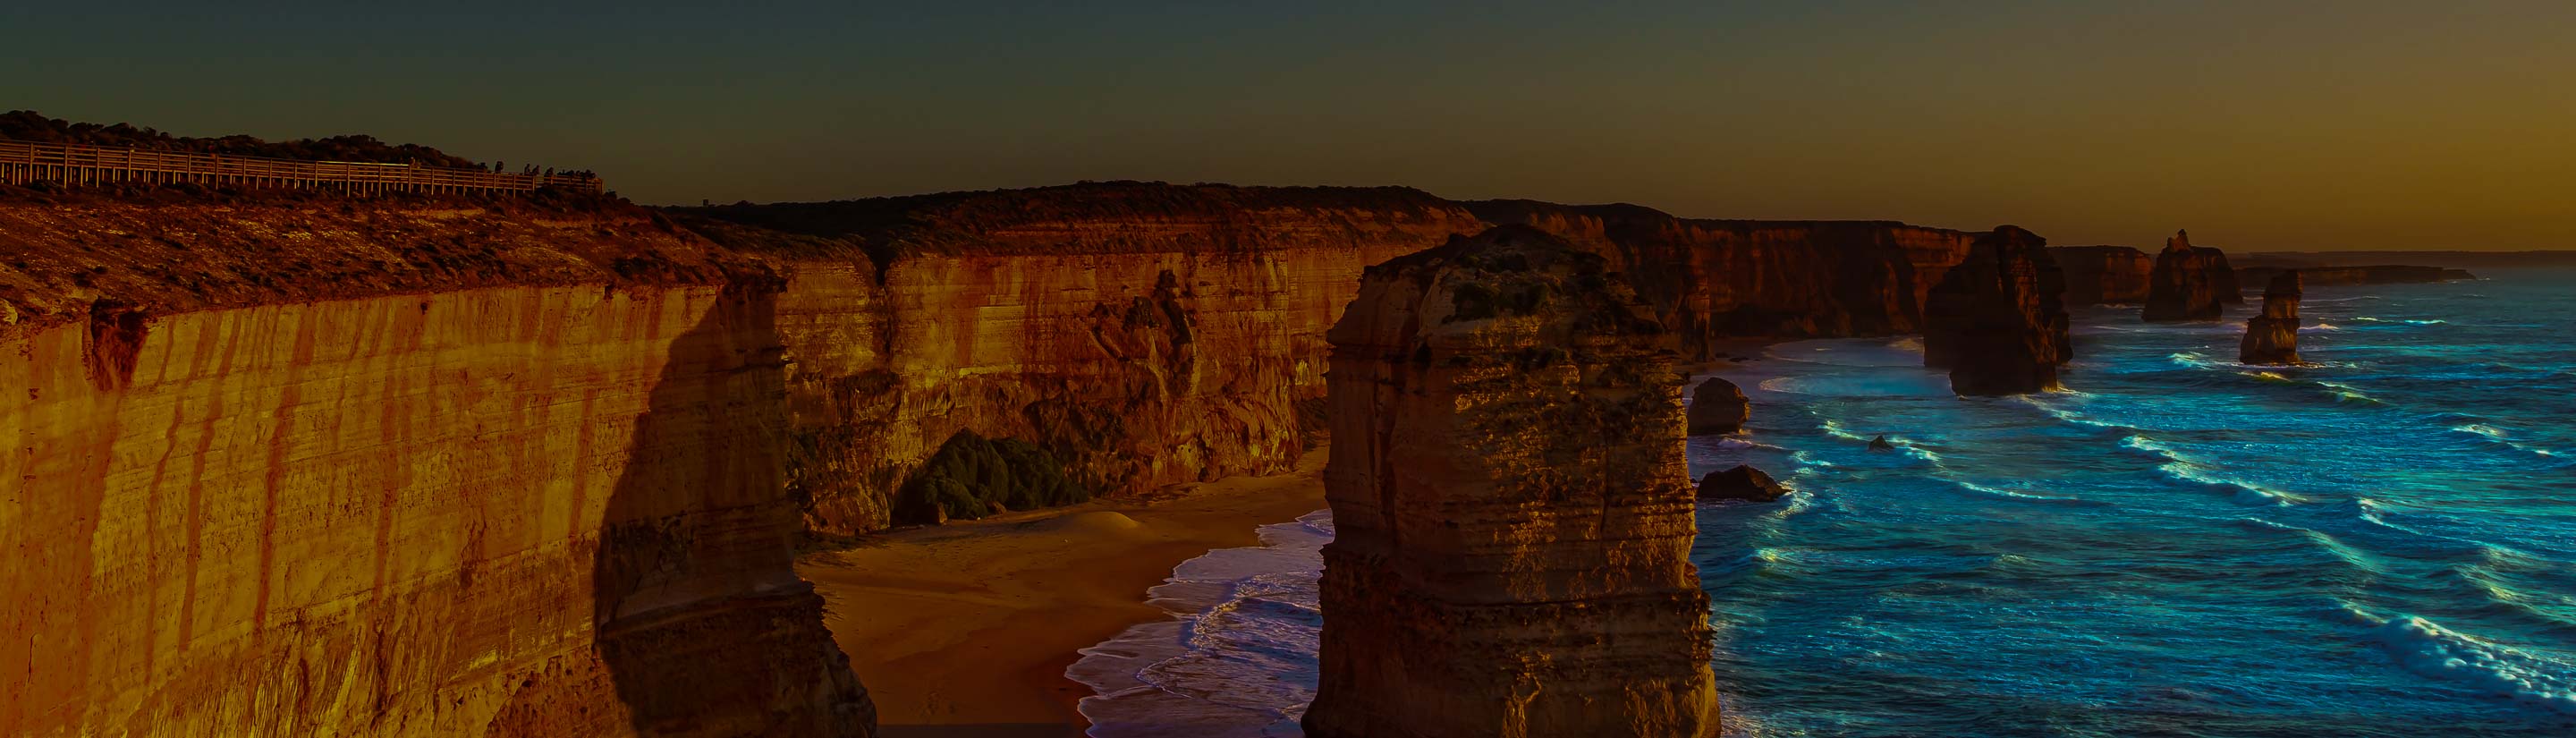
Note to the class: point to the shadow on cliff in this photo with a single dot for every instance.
(700, 624)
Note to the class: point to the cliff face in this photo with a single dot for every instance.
(1712, 279)
(2103, 275)
(1996, 321)
(1512, 512)
(2273, 337)
(2189, 283)
(250, 504)
(1146, 335)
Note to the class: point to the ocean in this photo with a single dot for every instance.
(2383, 544)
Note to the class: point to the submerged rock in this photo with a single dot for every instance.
(2189, 283)
(1740, 483)
(1718, 406)
(2273, 337)
(1513, 516)
(1996, 321)
(1880, 444)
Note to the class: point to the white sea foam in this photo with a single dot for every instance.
(2501, 671)
(1238, 659)
(2504, 437)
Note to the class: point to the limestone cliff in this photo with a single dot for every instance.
(406, 467)
(2103, 275)
(2189, 283)
(1996, 321)
(1513, 520)
(1713, 279)
(2265, 272)
(1146, 334)
(2273, 337)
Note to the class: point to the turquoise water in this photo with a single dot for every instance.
(2383, 545)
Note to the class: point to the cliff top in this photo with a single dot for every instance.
(1499, 211)
(1091, 217)
(28, 125)
(172, 249)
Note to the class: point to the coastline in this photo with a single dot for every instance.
(965, 630)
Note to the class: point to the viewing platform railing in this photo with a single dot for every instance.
(24, 162)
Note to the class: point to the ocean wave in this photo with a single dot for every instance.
(2066, 415)
(1237, 659)
(2184, 470)
(2505, 438)
(2500, 671)
(1731, 442)
(1903, 444)
(1999, 492)
(2405, 321)
(2349, 394)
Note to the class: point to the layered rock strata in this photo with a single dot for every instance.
(1147, 335)
(1997, 321)
(2103, 275)
(2189, 283)
(1513, 520)
(1718, 406)
(380, 470)
(1716, 279)
(2273, 337)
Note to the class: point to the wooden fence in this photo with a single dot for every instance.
(22, 162)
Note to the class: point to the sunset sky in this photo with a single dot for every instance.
(2258, 125)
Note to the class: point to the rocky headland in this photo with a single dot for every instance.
(1513, 520)
(2189, 283)
(1996, 321)
(2103, 275)
(2273, 337)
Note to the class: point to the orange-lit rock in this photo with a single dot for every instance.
(246, 497)
(1714, 279)
(1148, 335)
(1996, 322)
(1513, 517)
(2273, 337)
(2103, 275)
(2189, 283)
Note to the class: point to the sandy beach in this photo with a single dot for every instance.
(964, 630)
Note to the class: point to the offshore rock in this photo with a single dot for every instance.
(1740, 483)
(1879, 443)
(2273, 337)
(1997, 321)
(1514, 523)
(1718, 406)
(2103, 275)
(2190, 283)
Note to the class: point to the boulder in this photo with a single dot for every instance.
(1718, 406)
(1740, 483)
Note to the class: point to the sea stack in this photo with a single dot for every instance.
(2273, 337)
(1513, 515)
(2189, 283)
(1718, 406)
(1996, 321)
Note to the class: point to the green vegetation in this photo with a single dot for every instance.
(971, 474)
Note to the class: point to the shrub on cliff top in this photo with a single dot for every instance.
(970, 474)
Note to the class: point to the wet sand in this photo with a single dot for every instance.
(964, 630)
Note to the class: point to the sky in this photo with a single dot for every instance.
(2258, 125)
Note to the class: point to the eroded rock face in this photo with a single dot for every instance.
(1148, 335)
(1741, 483)
(1715, 279)
(552, 508)
(1513, 520)
(2273, 337)
(2189, 283)
(1718, 406)
(1996, 321)
(2103, 275)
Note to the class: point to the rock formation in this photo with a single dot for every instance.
(1513, 521)
(1996, 321)
(2103, 275)
(2273, 337)
(1715, 279)
(1147, 335)
(377, 469)
(1743, 483)
(1879, 443)
(1718, 406)
(2189, 283)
